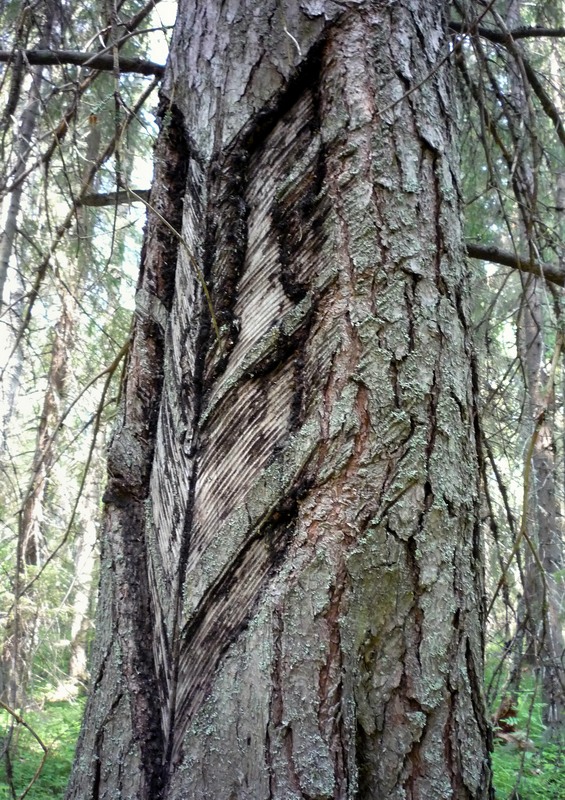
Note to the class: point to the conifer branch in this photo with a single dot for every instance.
(523, 263)
(500, 37)
(100, 61)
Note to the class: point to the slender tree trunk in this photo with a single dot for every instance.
(292, 505)
(23, 148)
(11, 308)
(31, 517)
(85, 559)
(543, 590)
(21, 627)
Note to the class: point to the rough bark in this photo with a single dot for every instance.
(292, 504)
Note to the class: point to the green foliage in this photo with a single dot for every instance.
(525, 765)
(57, 725)
(538, 775)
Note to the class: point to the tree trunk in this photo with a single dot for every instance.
(23, 148)
(16, 656)
(292, 504)
(85, 561)
(544, 570)
(11, 308)
(21, 624)
(543, 589)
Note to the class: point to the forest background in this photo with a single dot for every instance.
(78, 90)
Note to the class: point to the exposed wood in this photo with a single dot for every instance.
(126, 690)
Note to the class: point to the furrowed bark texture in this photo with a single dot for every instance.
(291, 596)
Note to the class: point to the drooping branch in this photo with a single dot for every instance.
(523, 263)
(104, 61)
(546, 102)
(64, 226)
(500, 37)
(507, 37)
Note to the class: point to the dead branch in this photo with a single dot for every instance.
(114, 198)
(521, 262)
(99, 61)
(499, 37)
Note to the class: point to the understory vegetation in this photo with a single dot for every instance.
(57, 725)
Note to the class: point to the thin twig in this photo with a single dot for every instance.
(21, 721)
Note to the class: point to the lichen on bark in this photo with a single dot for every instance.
(310, 525)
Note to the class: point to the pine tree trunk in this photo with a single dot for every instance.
(291, 592)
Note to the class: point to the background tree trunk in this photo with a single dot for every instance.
(544, 581)
(16, 656)
(543, 589)
(11, 306)
(85, 558)
(292, 504)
